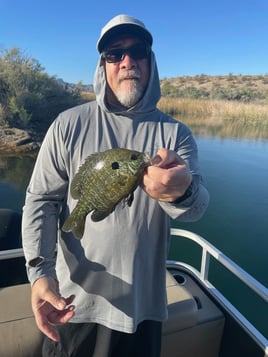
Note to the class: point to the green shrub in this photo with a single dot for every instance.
(30, 98)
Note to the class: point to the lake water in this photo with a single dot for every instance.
(236, 174)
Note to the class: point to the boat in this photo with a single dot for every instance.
(202, 321)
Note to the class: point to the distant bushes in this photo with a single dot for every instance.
(169, 90)
(246, 89)
(245, 95)
(29, 97)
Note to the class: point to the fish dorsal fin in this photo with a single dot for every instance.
(83, 173)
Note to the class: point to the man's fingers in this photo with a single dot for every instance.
(55, 300)
(60, 317)
(166, 158)
(48, 320)
(49, 330)
(168, 177)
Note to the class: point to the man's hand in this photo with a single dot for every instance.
(49, 307)
(168, 178)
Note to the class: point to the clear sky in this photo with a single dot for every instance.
(214, 37)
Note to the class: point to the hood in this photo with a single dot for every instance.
(123, 24)
(147, 103)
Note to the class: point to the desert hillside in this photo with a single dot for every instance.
(245, 88)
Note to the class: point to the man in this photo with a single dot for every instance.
(115, 275)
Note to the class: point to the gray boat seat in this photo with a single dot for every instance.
(182, 307)
(19, 335)
(195, 324)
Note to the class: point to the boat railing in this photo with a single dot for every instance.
(11, 253)
(208, 251)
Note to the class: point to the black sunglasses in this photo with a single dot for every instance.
(137, 52)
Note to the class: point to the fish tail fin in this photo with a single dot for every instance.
(76, 224)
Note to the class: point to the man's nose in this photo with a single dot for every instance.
(128, 61)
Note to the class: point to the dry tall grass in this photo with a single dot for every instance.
(87, 96)
(214, 109)
(208, 109)
(225, 118)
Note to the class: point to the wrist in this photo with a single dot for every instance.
(186, 195)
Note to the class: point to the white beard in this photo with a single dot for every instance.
(130, 93)
(129, 88)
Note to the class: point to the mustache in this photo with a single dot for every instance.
(129, 74)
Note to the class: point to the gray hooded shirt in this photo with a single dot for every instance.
(117, 270)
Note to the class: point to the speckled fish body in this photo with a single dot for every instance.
(105, 179)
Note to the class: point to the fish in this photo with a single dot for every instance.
(105, 179)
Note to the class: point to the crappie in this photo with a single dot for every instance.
(102, 182)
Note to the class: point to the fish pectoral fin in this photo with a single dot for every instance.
(130, 199)
(98, 215)
(127, 201)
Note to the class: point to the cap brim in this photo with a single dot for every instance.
(121, 30)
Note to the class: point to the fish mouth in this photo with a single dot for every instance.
(147, 159)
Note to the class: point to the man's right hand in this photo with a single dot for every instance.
(49, 307)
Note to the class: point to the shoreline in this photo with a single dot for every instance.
(18, 141)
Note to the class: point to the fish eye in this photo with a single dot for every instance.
(115, 165)
(134, 157)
